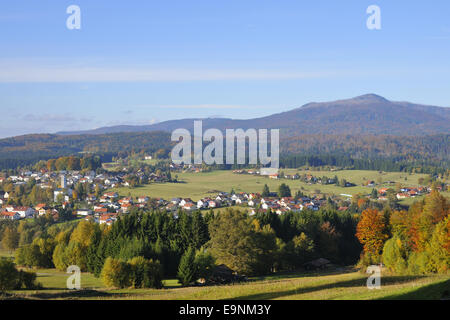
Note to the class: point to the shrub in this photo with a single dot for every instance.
(145, 273)
(116, 273)
(395, 255)
(204, 264)
(9, 276)
(12, 279)
(28, 280)
(138, 272)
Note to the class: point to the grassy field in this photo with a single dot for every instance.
(199, 185)
(338, 285)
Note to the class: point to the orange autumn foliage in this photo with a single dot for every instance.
(423, 217)
(371, 231)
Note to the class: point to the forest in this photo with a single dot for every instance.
(373, 152)
(158, 245)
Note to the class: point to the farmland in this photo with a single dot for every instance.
(198, 185)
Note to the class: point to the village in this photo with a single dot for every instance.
(97, 200)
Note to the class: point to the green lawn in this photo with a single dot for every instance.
(199, 185)
(337, 285)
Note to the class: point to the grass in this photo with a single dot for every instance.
(336, 285)
(199, 185)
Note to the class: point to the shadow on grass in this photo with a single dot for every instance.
(434, 291)
(361, 282)
(303, 274)
(64, 295)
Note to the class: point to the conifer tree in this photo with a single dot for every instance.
(187, 269)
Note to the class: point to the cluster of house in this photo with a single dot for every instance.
(185, 168)
(106, 209)
(252, 200)
(62, 182)
(404, 193)
(307, 177)
(16, 213)
(11, 212)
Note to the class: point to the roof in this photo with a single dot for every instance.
(8, 214)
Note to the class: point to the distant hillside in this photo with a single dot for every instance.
(29, 149)
(367, 114)
(367, 127)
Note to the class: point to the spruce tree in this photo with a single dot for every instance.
(187, 269)
(266, 191)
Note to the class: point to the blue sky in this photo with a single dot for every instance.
(139, 62)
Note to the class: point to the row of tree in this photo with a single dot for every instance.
(416, 241)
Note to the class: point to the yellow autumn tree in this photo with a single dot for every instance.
(371, 233)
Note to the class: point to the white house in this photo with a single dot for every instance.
(24, 212)
(201, 204)
(189, 207)
(143, 199)
(252, 203)
(213, 204)
(84, 212)
(183, 202)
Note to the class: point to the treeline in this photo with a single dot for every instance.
(416, 241)
(29, 149)
(190, 245)
(381, 164)
(142, 248)
(70, 163)
(373, 152)
(409, 148)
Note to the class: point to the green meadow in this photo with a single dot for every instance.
(199, 185)
(342, 284)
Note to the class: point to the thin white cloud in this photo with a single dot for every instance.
(53, 118)
(132, 122)
(20, 73)
(199, 106)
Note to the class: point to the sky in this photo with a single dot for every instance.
(141, 62)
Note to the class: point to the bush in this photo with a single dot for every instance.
(368, 259)
(116, 273)
(28, 280)
(59, 259)
(204, 264)
(12, 279)
(395, 255)
(138, 272)
(9, 276)
(145, 273)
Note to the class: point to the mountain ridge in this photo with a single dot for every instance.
(365, 114)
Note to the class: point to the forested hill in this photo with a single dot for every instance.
(29, 149)
(367, 114)
(365, 127)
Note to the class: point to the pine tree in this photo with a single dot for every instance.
(374, 194)
(266, 191)
(187, 269)
(284, 191)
